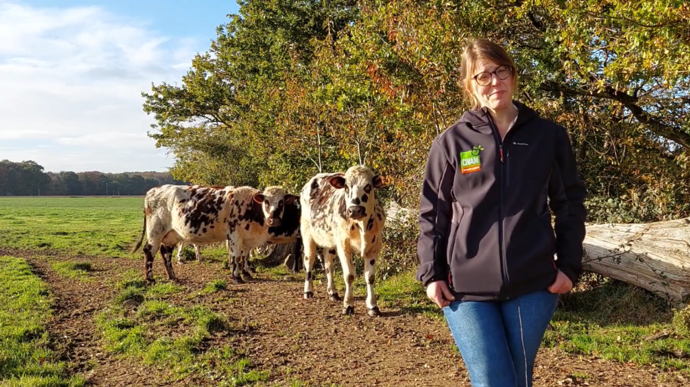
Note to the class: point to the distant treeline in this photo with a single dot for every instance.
(27, 178)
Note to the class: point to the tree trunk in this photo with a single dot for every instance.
(653, 256)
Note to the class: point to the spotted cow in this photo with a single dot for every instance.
(286, 232)
(340, 214)
(242, 216)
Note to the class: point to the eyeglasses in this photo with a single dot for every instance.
(484, 78)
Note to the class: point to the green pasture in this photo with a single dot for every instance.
(603, 317)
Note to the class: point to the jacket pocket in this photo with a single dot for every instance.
(454, 227)
(545, 220)
(451, 241)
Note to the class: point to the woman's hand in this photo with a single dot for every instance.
(439, 293)
(561, 285)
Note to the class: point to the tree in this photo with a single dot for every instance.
(289, 89)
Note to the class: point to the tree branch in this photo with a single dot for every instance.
(630, 102)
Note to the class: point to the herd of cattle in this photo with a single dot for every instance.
(336, 212)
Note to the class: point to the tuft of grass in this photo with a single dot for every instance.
(681, 321)
(122, 335)
(132, 279)
(240, 375)
(179, 351)
(72, 269)
(130, 293)
(206, 320)
(25, 307)
(215, 286)
(405, 292)
(157, 309)
(162, 289)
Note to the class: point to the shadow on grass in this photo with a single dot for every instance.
(605, 301)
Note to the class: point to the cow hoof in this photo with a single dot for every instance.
(150, 281)
(334, 297)
(247, 275)
(237, 280)
(349, 310)
(180, 262)
(374, 312)
(308, 295)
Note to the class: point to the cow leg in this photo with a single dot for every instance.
(245, 265)
(166, 254)
(297, 252)
(235, 259)
(226, 264)
(345, 254)
(197, 252)
(328, 267)
(309, 258)
(369, 260)
(150, 250)
(180, 246)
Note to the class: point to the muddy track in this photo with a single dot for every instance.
(296, 339)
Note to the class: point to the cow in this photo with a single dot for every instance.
(341, 214)
(242, 216)
(286, 232)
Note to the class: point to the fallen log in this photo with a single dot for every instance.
(654, 256)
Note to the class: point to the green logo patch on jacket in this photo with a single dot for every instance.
(470, 161)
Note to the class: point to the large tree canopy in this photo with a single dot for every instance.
(290, 88)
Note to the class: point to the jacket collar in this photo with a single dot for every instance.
(478, 119)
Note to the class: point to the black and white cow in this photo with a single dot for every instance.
(341, 214)
(242, 216)
(286, 232)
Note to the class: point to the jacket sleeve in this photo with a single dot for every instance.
(435, 216)
(566, 200)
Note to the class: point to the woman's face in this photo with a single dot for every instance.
(489, 89)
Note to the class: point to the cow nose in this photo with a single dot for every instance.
(356, 212)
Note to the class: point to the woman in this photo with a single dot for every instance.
(486, 246)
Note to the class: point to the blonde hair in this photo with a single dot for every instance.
(483, 49)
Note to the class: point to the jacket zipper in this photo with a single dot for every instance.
(501, 238)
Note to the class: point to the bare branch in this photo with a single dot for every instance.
(676, 134)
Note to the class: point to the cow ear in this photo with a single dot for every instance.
(291, 199)
(259, 198)
(337, 182)
(377, 181)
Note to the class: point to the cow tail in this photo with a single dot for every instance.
(143, 232)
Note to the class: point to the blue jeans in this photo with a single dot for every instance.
(498, 341)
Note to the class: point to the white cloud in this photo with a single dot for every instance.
(71, 79)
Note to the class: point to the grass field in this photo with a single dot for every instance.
(99, 226)
(603, 318)
(25, 309)
(93, 226)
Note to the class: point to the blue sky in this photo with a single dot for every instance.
(72, 71)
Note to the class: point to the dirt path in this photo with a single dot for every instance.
(302, 340)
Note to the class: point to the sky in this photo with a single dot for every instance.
(72, 73)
